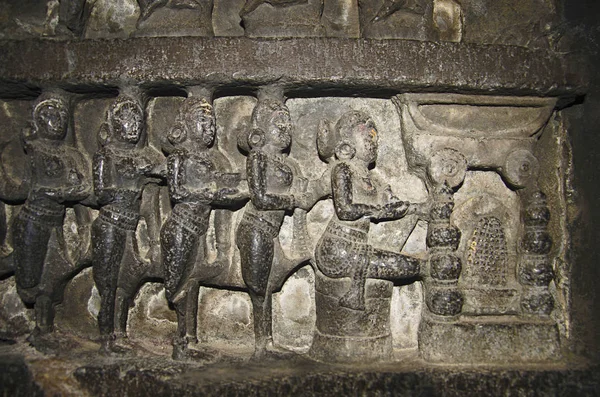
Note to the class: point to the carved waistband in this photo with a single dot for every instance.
(190, 220)
(346, 232)
(254, 220)
(36, 212)
(120, 217)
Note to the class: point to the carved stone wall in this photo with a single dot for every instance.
(282, 196)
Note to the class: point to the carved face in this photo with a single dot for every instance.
(127, 120)
(279, 130)
(365, 140)
(51, 119)
(201, 125)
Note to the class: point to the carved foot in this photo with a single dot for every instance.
(43, 341)
(112, 346)
(181, 352)
(272, 353)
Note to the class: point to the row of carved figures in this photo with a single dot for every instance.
(257, 18)
(200, 179)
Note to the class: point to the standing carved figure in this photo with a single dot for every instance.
(358, 198)
(198, 177)
(275, 188)
(59, 177)
(123, 166)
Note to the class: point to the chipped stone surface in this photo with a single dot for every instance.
(467, 101)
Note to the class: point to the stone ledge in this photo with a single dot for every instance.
(307, 66)
(163, 377)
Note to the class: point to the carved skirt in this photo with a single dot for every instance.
(342, 249)
(32, 229)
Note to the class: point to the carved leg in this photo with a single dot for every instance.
(387, 265)
(122, 304)
(108, 247)
(29, 262)
(179, 248)
(256, 252)
(355, 297)
(223, 237)
(44, 314)
(191, 314)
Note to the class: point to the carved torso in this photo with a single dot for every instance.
(125, 173)
(279, 175)
(58, 169)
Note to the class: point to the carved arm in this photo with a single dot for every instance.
(257, 184)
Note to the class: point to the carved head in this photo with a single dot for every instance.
(271, 125)
(51, 115)
(126, 118)
(195, 121)
(354, 136)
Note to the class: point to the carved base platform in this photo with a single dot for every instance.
(25, 375)
(488, 339)
(347, 335)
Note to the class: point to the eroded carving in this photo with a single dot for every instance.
(445, 137)
(344, 250)
(198, 177)
(122, 167)
(276, 186)
(59, 177)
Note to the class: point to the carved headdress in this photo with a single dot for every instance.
(339, 140)
(192, 105)
(57, 99)
(270, 101)
(130, 98)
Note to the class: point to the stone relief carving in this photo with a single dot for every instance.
(446, 136)
(198, 176)
(276, 185)
(122, 167)
(59, 177)
(488, 262)
(343, 251)
(175, 18)
(534, 24)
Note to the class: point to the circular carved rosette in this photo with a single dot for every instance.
(443, 236)
(447, 166)
(535, 270)
(521, 168)
(445, 267)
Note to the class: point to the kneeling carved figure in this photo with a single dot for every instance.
(358, 198)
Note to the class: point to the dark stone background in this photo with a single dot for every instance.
(584, 129)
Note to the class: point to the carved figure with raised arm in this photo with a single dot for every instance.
(359, 198)
(198, 178)
(123, 166)
(59, 177)
(275, 187)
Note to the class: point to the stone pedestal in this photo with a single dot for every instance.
(347, 335)
(488, 339)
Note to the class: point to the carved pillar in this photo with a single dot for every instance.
(535, 269)
(441, 293)
(488, 276)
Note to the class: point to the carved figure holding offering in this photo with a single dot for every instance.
(59, 177)
(122, 167)
(274, 189)
(197, 175)
(358, 198)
